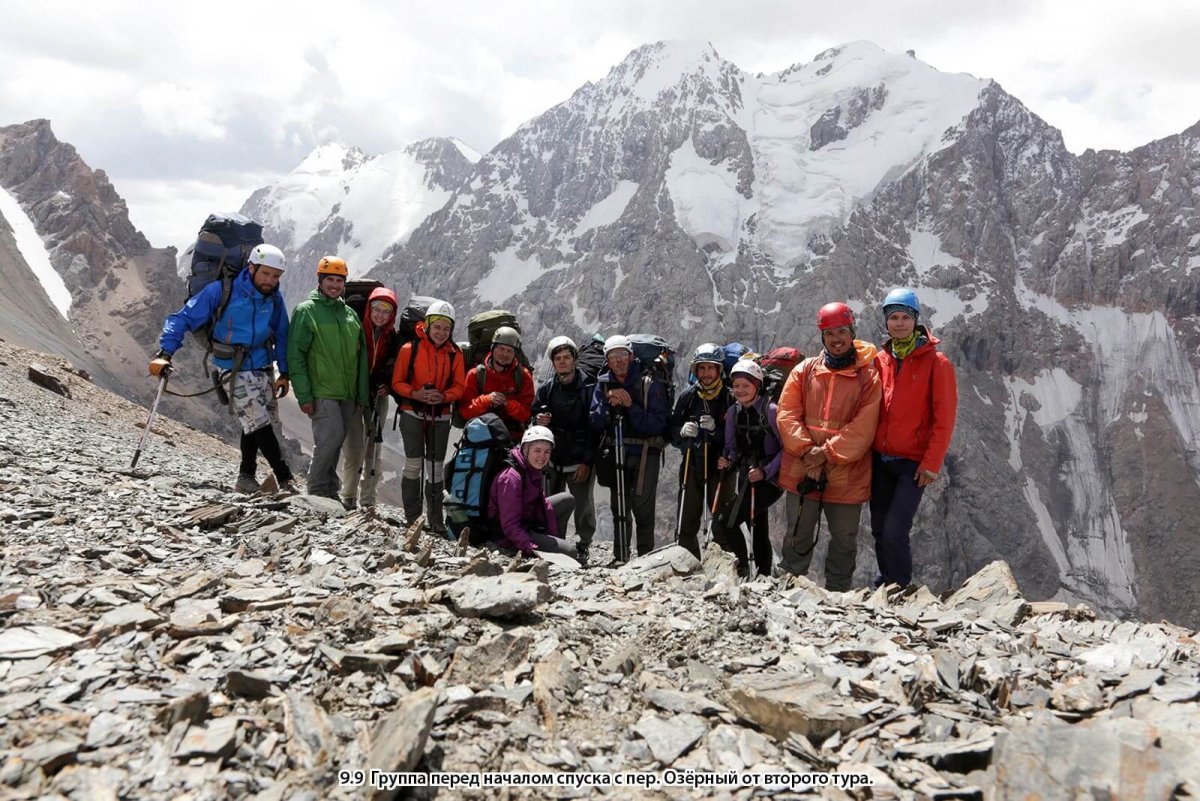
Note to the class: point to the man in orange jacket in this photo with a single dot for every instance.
(501, 385)
(827, 417)
(915, 427)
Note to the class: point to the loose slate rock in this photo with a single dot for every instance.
(675, 701)
(216, 740)
(125, 618)
(399, 741)
(782, 705)
(29, 642)
(507, 595)
(674, 560)
(670, 739)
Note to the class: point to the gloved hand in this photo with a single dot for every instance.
(160, 363)
(281, 386)
(689, 430)
(707, 422)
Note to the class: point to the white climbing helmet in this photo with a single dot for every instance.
(749, 368)
(440, 308)
(537, 434)
(267, 256)
(561, 342)
(617, 342)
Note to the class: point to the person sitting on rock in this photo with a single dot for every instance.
(246, 335)
(528, 520)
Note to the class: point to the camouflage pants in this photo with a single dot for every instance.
(253, 398)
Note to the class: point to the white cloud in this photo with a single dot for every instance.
(171, 95)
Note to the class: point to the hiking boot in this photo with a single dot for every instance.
(288, 488)
(349, 504)
(581, 552)
(743, 569)
(433, 505)
(246, 484)
(410, 499)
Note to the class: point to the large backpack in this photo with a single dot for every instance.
(777, 365)
(219, 254)
(657, 358)
(480, 330)
(358, 292)
(479, 456)
(734, 351)
(591, 357)
(413, 313)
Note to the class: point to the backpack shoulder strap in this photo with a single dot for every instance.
(412, 361)
(519, 378)
(223, 305)
(480, 378)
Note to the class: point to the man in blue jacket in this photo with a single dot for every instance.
(247, 336)
(640, 403)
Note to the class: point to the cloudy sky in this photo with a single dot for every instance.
(191, 106)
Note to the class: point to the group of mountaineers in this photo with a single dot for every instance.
(852, 425)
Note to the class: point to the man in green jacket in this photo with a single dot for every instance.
(328, 359)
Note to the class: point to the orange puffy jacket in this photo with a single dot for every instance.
(441, 366)
(837, 411)
(920, 401)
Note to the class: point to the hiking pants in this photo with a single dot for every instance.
(727, 527)
(362, 455)
(894, 500)
(413, 431)
(330, 422)
(264, 440)
(803, 516)
(697, 497)
(563, 505)
(585, 507)
(642, 505)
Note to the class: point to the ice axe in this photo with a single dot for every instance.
(162, 385)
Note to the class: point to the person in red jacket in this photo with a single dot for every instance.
(362, 455)
(501, 385)
(916, 422)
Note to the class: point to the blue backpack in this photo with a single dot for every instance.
(733, 352)
(478, 458)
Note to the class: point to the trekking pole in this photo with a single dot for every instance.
(683, 488)
(621, 531)
(162, 385)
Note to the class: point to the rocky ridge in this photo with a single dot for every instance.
(163, 639)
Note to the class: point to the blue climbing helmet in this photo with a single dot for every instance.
(902, 300)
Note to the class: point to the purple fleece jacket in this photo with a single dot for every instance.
(772, 451)
(518, 501)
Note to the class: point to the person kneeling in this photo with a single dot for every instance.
(529, 521)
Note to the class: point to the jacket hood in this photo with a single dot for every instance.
(380, 293)
(865, 353)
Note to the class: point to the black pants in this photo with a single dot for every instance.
(727, 525)
(697, 495)
(263, 440)
(894, 500)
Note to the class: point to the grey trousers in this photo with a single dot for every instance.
(413, 431)
(585, 507)
(801, 538)
(330, 422)
(362, 456)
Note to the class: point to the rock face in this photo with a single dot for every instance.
(163, 638)
(121, 288)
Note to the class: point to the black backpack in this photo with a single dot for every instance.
(479, 456)
(219, 254)
(413, 313)
(358, 292)
(591, 357)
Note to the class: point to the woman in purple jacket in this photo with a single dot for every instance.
(529, 521)
(752, 448)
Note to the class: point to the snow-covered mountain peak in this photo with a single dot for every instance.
(331, 157)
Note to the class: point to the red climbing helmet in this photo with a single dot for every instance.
(834, 315)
